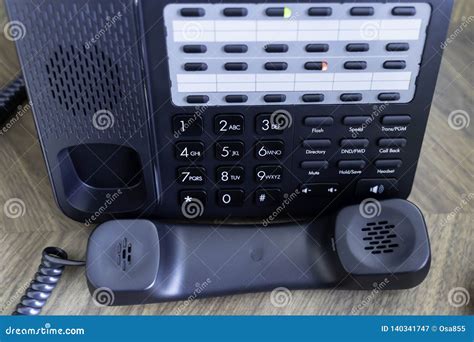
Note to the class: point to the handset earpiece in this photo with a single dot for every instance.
(141, 261)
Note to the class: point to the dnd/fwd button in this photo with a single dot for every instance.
(320, 189)
(385, 187)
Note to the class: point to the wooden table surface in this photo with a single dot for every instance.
(442, 188)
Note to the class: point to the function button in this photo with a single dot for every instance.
(197, 99)
(360, 47)
(352, 164)
(404, 10)
(230, 198)
(392, 142)
(358, 143)
(388, 163)
(189, 150)
(276, 66)
(389, 96)
(276, 11)
(317, 48)
(315, 165)
(315, 65)
(316, 143)
(191, 175)
(397, 47)
(265, 126)
(236, 66)
(230, 175)
(357, 65)
(320, 189)
(193, 12)
(318, 121)
(236, 98)
(356, 120)
(362, 11)
(272, 98)
(269, 149)
(229, 150)
(195, 48)
(187, 125)
(394, 120)
(236, 48)
(276, 48)
(229, 124)
(377, 187)
(319, 11)
(352, 97)
(195, 67)
(267, 197)
(189, 196)
(235, 12)
(269, 174)
(311, 98)
(395, 65)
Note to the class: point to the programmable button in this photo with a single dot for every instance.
(314, 164)
(352, 164)
(236, 48)
(275, 11)
(317, 48)
(276, 48)
(311, 98)
(274, 98)
(389, 96)
(352, 97)
(404, 11)
(388, 163)
(362, 11)
(236, 66)
(236, 98)
(193, 12)
(195, 66)
(194, 49)
(357, 47)
(355, 65)
(276, 66)
(397, 47)
(316, 143)
(395, 65)
(314, 65)
(357, 143)
(356, 120)
(392, 142)
(235, 12)
(319, 11)
(197, 99)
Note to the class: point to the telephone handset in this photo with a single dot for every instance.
(141, 261)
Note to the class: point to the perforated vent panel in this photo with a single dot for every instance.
(379, 237)
(81, 57)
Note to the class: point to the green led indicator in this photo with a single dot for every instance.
(287, 13)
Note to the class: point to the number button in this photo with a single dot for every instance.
(189, 151)
(265, 126)
(191, 175)
(267, 197)
(269, 174)
(229, 124)
(230, 175)
(230, 198)
(229, 150)
(269, 150)
(187, 125)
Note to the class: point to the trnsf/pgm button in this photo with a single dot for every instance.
(385, 187)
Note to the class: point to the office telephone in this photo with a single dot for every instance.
(230, 110)
(149, 105)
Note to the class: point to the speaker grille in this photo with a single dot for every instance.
(379, 237)
(83, 80)
(124, 254)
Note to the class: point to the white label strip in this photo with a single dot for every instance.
(288, 82)
(297, 30)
